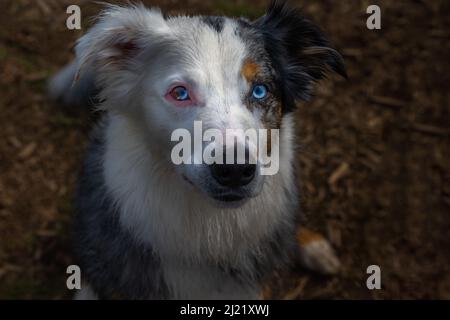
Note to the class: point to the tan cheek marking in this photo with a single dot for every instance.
(279, 113)
(249, 70)
(272, 121)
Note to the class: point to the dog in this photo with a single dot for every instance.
(146, 228)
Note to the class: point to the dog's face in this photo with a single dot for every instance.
(230, 74)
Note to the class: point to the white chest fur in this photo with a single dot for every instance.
(182, 226)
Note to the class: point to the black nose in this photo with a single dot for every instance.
(233, 175)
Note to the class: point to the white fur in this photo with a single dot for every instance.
(166, 212)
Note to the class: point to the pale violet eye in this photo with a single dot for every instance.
(180, 93)
(259, 91)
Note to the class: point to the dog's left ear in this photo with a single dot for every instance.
(298, 49)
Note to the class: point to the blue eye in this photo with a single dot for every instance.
(180, 93)
(259, 91)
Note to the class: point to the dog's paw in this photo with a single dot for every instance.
(316, 253)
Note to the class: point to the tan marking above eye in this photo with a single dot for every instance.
(250, 70)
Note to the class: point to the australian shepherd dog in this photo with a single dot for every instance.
(149, 228)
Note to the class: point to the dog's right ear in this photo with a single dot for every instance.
(299, 50)
(120, 34)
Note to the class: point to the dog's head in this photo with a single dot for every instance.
(166, 73)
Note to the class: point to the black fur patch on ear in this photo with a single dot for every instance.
(299, 51)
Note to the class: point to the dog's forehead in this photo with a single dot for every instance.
(213, 42)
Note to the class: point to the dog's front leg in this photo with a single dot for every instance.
(316, 253)
(85, 293)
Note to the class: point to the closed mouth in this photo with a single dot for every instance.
(225, 199)
(229, 197)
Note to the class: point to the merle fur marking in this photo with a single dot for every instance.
(215, 22)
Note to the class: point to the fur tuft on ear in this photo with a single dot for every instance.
(118, 35)
(107, 55)
(299, 50)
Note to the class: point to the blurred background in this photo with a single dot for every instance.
(374, 157)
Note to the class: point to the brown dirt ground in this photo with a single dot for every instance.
(373, 158)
